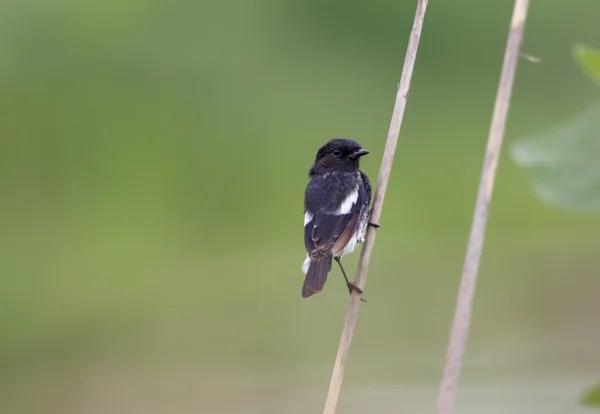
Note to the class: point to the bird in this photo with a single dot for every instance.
(336, 211)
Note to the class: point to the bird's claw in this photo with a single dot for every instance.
(374, 225)
(352, 287)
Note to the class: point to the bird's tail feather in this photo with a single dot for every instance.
(316, 276)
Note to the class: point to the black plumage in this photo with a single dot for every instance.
(336, 210)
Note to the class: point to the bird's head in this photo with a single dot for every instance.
(340, 154)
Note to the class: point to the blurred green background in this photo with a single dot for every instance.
(153, 159)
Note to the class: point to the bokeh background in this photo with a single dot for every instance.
(153, 161)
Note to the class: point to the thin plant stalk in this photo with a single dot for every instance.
(459, 333)
(380, 189)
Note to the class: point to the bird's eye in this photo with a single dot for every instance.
(336, 152)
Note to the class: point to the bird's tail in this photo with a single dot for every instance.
(316, 275)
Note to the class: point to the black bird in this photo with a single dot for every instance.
(336, 211)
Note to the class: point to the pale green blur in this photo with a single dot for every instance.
(153, 158)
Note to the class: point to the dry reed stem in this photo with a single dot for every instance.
(462, 317)
(382, 182)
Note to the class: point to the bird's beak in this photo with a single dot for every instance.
(359, 153)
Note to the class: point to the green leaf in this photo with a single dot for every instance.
(561, 162)
(589, 59)
(592, 397)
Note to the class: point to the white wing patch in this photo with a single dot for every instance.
(307, 218)
(346, 206)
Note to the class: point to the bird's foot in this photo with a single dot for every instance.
(352, 287)
(374, 225)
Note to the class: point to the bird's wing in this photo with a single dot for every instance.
(328, 230)
(330, 223)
